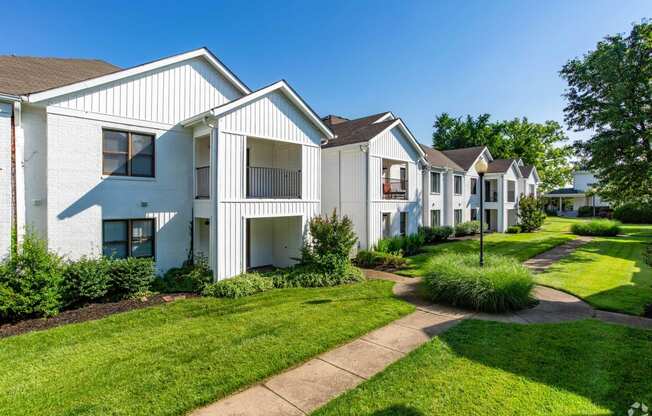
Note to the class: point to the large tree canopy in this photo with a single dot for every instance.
(541, 145)
(610, 93)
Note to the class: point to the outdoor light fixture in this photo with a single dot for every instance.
(481, 167)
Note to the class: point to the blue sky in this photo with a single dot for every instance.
(351, 58)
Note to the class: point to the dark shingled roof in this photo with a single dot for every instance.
(20, 75)
(526, 170)
(439, 159)
(355, 131)
(464, 157)
(499, 165)
(565, 191)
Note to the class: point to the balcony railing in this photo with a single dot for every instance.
(273, 183)
(491, 197)
(395, 188)
(202, 180)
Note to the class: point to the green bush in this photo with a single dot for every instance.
(531, 213)
(503, 284)
(596, 228)
(85, 280)
(634, 214)
(236, 287)
(129, 277)
(330, 243)
(375, 259)
(586, 211)
(308, 276)
(390, 245)
(191, 277)
(467, 228)
(402, 245)
(513, 229)
(30, 281)
(436, 234)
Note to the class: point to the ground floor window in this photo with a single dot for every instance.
(474, 214)
(128, 238)
(435, 218)
(386, 224)
(458, 216)
(403, 229)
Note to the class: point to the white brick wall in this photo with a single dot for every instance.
(5, 178)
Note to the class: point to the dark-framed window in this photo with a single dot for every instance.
(474, 186)
(435, 182)
(129, 238)
(403, 218)
(127, 153)
(474, 214)
(387, 224)
(511, 191)
(435, 218)
(458, 216)
(457, 179)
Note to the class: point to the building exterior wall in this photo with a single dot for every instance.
(34, 128)
(6, 110)
(583, 180)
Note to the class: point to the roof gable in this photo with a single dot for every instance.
(467, 156)
(437, 158)
(140, 69)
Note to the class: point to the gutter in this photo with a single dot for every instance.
(14, 202)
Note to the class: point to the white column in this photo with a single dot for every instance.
(213, 246)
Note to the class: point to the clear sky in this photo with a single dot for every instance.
(351, 58)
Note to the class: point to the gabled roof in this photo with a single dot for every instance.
(500, 165)
(466, 156)
(439, 159)
(526, 170)
(282, 86)
(365, 129)
(118, 74)
(22, 75)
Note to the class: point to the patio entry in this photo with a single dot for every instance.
(273, 241)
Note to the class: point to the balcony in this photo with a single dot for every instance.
(264, 182)
(394, 180)
(394, 188)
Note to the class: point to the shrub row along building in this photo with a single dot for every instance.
(178, 157)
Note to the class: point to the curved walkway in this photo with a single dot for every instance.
(303, 389)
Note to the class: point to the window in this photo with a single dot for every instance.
(403, 229)
(511, 191)
(474, 214)
(403, 175)
(127, 154)
(474, 186)
(435, 218)
(387, 225)
(435, 182)
(532, 191)
(458, 216)
(458, 184)
(128, 238)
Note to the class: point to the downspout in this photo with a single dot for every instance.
(365, 149)
(14, 213)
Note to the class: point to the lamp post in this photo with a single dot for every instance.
(481, 167)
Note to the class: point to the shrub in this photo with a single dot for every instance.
(374, 259)
(191, 277)
(437, 234)
(503, 284)
(236, 287)
(330, 243)
(308, 276)
(634, 213)
(586, 211)
(530, 213)
(596, 228)
(402, 245)
(30, 281)
(390, 245)
(413, 242)
(514, 229)
(467, 228)
(85, 280)
(129, 277)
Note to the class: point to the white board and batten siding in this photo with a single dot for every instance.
(271, 117)
(167, 95)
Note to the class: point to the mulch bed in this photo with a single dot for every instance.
(87, 313)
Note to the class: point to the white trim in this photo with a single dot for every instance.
(279, 85)
(94, 82)
(386, 116)
(112, 119)
(405, 131)
(263, 137)
(9, 97)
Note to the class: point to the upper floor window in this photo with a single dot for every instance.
(435, 182)
(457, 184)
(127, 154)
(474, 186)
(511, 191)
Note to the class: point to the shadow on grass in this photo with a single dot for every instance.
(398, 410)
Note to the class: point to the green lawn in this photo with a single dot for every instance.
(169, 359)
(609, 273)
(521, 246)
(490, 368)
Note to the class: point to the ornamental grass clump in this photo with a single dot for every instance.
(605, 228)
(502, 284)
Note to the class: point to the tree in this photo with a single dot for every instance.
(610, 93)
(541, 145)
(530, 213)
(331, 240)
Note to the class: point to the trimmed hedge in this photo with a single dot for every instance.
(634, 214)
(437, 234)
(467, 228)
(239, 286)
(407, 245)
(513, 229)
(85, 280)
(188, 278)
(607, 228)
(503, 284)
(376, 259)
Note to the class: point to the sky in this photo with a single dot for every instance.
(349, 58)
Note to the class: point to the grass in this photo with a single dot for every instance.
(610, 273)
(169, 359)
(520, 246)
(502, 284)
(491, 368)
